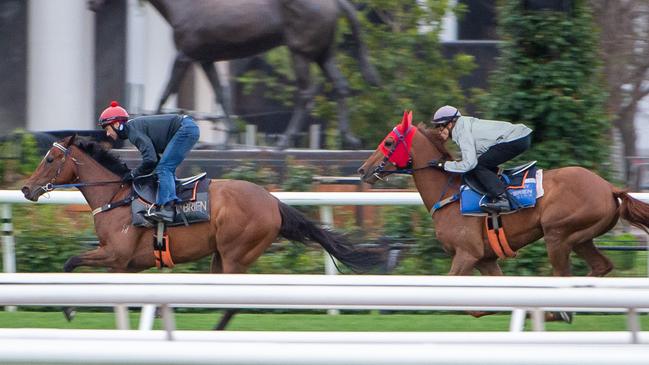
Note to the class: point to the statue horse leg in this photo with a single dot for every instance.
(222, 95)
(178, 71)
(333, 74)
(302, 101)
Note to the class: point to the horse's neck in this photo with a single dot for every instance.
(90, 171)
(434, 185)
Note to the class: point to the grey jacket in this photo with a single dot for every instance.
(475, 136)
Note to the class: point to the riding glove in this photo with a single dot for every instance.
(438, 164)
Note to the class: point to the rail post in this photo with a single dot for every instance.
(327, 220)
(8, 245)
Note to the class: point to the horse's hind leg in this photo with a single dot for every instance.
(216, 267)
(599, 264)
(178, 71)
(302, 101)
(558, 254)
(222, 96)
(339, 82)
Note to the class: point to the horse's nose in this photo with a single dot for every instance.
(361, 171)
(25, 190)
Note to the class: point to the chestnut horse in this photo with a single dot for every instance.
(244, 218)
(577, 206)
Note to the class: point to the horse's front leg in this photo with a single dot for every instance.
(463, 263)
(100, 257)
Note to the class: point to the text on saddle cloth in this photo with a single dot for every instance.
(192, 192)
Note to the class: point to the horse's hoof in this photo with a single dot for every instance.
(560, 317)
(71, 264)
(283, 142)
(69, 313)
(566, 316)
(478, 314)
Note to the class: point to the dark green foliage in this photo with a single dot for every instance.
(19, 156)
(548, 77)
(298, 177)
(46, 237)
(251, 171)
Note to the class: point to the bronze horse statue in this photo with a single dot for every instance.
(206, 31)
(576, 207)
(244, 219)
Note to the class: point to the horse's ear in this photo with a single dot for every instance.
(70, 140)
(406, 121)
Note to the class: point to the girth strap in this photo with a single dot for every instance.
(116, 204)
(444, 202)
(496, 236)
(162, 247)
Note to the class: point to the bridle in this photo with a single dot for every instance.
(380, 168)
(51, 186)
(409, 169)
(66, 152)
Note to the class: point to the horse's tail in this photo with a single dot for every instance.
(297, 227)
(633, 210)
(367, 70)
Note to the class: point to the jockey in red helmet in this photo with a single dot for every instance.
(163, 141)
(114, 116)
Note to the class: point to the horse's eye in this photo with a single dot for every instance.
(388, 143)
(49, 159)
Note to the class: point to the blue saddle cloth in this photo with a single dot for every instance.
(521, 184)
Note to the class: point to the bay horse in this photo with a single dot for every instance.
(244, 219)
(577, 206)
(206, 31)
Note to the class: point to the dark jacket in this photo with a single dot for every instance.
(151, 135)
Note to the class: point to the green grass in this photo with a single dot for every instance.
(318, 322)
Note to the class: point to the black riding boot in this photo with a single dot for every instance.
(499, 204)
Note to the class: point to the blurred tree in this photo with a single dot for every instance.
(624, 40)
(403, 39)
(548, 77)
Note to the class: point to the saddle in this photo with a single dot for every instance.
(521, 182)
(192, 191)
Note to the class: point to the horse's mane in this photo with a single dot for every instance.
(100, 154)
(434, 138)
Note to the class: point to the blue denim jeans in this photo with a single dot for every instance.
(175, 152)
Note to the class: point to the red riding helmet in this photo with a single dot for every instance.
(114, 113)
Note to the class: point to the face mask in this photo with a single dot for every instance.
(121, 131)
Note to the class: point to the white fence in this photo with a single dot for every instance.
(316, 292)
(519, 295)
(325, 200)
